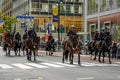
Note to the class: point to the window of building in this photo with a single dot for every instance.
(50, 7)
(76, 8)
(35, 5)
(62, 10)
(68, 8)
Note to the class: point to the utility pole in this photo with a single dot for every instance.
(99, 3)
(85, 19)
(59, 22)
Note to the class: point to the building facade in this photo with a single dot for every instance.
(71, 13)
(108, 14)
(7, 7)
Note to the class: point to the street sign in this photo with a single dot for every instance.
(22, 25)
(26, 18)
(55, 18)
(55, 11)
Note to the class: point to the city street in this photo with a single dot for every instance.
(51, 68)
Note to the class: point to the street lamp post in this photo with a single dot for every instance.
(58, 23)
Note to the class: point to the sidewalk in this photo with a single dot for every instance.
(83, 57)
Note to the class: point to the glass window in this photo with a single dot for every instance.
(76, 8)
(35, 5)
(62, 10)
(50, 7)
(68, 8)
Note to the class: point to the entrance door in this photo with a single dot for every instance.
(92, 30)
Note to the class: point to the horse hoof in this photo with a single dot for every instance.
(110, 62)
(71, 62)
(94, 59)
(99, 61)
(103, 61)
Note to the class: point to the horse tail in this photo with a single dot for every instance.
(66, 54)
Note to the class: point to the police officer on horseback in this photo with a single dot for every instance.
(25, 36)
(72, 34)
(96, 36)
(102, 34)
(17, 36)
(9, 35)
(31, 33)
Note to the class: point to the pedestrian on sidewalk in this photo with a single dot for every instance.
(114, 50)
(86, 47)
(118, 49)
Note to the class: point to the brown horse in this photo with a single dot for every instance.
(24, 46)
(72, 47)
(32, 46)
(8, 46)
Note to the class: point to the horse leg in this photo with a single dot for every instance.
(103, 56)
(79, 58)
(6, 52)
(9, 52)
(63, 57)
(91, 55)
(109, 56)
(34, 55)
(96, 52)
(30, 54)
(71, 59)
(27, 54)
(99, 59)
(70, 56)
(19, 51)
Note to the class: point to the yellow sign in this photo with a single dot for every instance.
(55, 11)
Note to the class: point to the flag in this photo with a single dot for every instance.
(47, 34)
(1, 23)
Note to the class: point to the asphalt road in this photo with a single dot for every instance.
(51, 68)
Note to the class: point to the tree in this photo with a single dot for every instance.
(8, 22)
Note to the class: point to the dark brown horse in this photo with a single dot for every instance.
(8, 45)
(32, 47)
(72, 47)
(24, 46)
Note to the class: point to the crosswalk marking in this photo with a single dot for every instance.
(52, 65)
(36, 65)
(64, 64)
(5, 66)
(22, 66)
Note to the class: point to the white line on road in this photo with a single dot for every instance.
(87, 78)
(5, 66)
(36, 65)
(52, 65)
(64, 64)
(22, 66)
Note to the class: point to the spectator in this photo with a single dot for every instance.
(114, 50)
(118, 49)
(86, 47)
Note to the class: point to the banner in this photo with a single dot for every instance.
(55, 18)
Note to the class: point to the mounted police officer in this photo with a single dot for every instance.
(72, 34)
(25, 36)
(30, 33)
(102, 34)
(17, 36)
(8, 35)
(96, 36)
